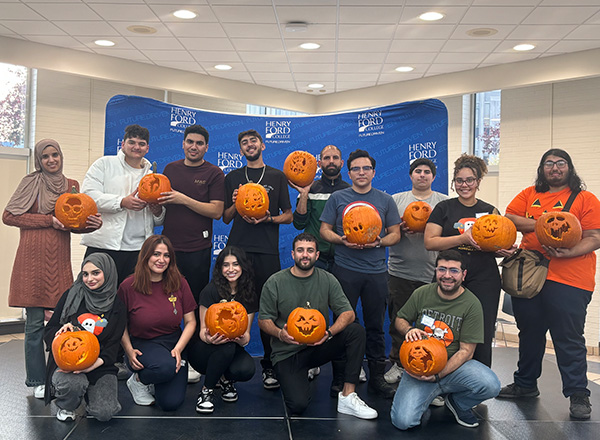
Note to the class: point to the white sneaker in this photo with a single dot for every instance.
(313, 372)
(354, 406)
(141, 393)
(394, 374)
(38, 391)
(438, 401)
(193, 375)
(363, 375)
(63, 415)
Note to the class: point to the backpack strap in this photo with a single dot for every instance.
(571, 199)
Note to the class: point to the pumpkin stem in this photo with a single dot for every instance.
(154, 166)
(74, 190)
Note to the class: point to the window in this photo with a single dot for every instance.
(269, 111)
(13, 105)
(486, 139)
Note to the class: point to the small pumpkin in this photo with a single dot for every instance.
(361, 223)
(425, 357)
(152, 185)
(493, 232)
(252, 200)
(306, 325)
(72, 209)
(300, 168)
(416, 215)
(558, 229)
(228, 318)
(76, 350)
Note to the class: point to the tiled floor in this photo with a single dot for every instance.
(260, 414)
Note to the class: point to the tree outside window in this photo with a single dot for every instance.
(13, 105)
(487, 126)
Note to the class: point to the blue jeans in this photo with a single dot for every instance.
(35, 357)
(470, 384)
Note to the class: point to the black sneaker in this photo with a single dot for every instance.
(205, 403)
(580, 407)
(270, 382)
(228, 391)
(464, 418)
(514, 391)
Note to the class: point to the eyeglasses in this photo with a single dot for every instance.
(549, 164)
(453, 270)
(365, 169)
(470, 181)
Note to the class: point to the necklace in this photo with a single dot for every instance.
(173, 300)
(261, 176)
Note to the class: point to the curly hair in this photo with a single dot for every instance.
(476, 164)
(574, 181)
(245, 284)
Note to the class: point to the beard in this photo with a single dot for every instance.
(332, 170)
(305, 265)
(451, 289)
(253, 157)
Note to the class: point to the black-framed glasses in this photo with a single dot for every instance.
(549, 164)
(470, 181)
(453, 270)
(365, 169)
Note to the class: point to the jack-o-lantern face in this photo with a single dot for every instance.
(559, 229)
(306, 325)
(300, 167)
(152, 185)
(74, 351)
(493, 232)
(416, 215)
(424, 357)
(252, 200)
(72, 209)
(229, 319)
(361, 223)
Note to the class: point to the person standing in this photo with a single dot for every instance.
(259, 238)
(561, 305)
(361, 269)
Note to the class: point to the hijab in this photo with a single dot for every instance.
(40, 185)
(97, 301)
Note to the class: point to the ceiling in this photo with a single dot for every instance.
(361, 46)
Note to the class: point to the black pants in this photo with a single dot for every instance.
(124, 260)
(292, 373)
(195, 267)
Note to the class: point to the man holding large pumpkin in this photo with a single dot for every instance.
(451, 313)
(561, 305)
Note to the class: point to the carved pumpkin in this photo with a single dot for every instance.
(300, 168)
(252, 200)
(306, 325)
(72, 209)
(228, 318)
(152, 185)
(361, 223)
(493, 232)
(424, 357)
(74, 351)
(558, 229)
(416, 215)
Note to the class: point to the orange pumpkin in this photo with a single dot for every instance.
(306, 325)
(72, 209)
(300, 168)
(75, 351)
(228, 318)
(361, 223)
(425, 357)
(558, 229)
(152, 185)
(493, 232)
(252, 200)
(416, 215)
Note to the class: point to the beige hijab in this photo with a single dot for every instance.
(40, 185)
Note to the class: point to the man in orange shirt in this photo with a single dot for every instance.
(561, 305)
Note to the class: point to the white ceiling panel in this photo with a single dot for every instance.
(364, 46)
(471, 45)
(220, 44)
(18, 11)
(165, 12)
(263, 57)
(574, 46)
(410, 58)
(499, 15)
(541, 32)
(312, 57)
(267, 44)
(370, 14)
(561, 15)
(244, 14)
(585, 32)
(308, 14)
(460, 58)
(268, 67)
(216, 56)
(79, 28)
(65, 11)
(124, 12)
(313, 68)
(169, 55)
(26, 27)
(452, 15)
(158, 43)
(202, 30)
(423, 31)
(367, 31)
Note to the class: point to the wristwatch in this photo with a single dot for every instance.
(329, 334)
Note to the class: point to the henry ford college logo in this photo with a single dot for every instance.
(370, 123)
(182, 117)
(278, 131)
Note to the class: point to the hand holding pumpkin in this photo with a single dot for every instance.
(56, 224)
(132, 202)
(68, 327)
(94, 222)
(285, 337)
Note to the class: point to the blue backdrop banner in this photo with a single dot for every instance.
(394, 135)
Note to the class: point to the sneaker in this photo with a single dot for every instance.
(228, 393)
(363, 375)
(270, 382)
(394, 374)
(123, 372)
(313, 372)
(193, 375)
(514, 391)
(438, 401)
(205, 403)
(464, 418)
(354, 406)
(38, 391)
(141, 393)
(580, 407)
(63, 415)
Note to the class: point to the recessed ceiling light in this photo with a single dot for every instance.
(522, 47)
(481, 32)
(316, 86)
(296, 26)
(141, 29)
(185, 14)
(310, 46)
(223, 67)
(431, 16)
(104, 43)
(404, 69)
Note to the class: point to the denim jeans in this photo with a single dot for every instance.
(35, 357)
(470, 384)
